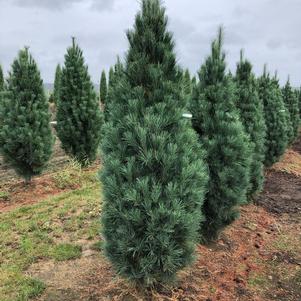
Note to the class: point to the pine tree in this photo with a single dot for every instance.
(79, 118)
(57, 84)
(299, 97)
(252, 117)
(1, 79)
(153, 175)
(187, 84)
(275, 118)
(103, 88)
(111, 75)
(292, 106)
(25, 135)
(115, 76)
(216, 121)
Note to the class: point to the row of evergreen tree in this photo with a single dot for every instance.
(168, 182)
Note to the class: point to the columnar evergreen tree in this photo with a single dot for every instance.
(299, 97)
(57, 84)
(251, 114)
(292, 105)
(103, 88)
(25, 135)
(275, 118)
(115, 76)
(1, 79)
(111, 75)
(187, 84)
(153, 176)
(79, 118)
(216, 120)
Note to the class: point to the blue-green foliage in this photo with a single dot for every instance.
(79, 118)
(291, 102)
(25, 134)
(251, 115)
(275, 118)
(153, 175)
(217, 123)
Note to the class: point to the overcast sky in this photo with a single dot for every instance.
(268, 30)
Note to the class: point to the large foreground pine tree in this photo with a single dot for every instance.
(153, 176)
(25, 135)
(79, 118)
(251, 114)
(275, 118)
(216, 121)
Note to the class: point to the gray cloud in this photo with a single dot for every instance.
(268, 30)
(57, 5)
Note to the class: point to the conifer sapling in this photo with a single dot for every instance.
(217, 123)
(79, 118)
(25, 135)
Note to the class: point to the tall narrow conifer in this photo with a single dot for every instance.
(275, 118)
(251, 114)
(103, 88)
(1, 79)
(153, 175)
(57, 84)
(291, 102)
(217, 123)
(79, 118)
(25, 135)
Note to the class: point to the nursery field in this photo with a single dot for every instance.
(51, 249)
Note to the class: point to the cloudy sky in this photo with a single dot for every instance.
(268, 30)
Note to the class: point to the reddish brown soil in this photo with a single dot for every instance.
(20, 194)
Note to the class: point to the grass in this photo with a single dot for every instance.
(48, 230)
(65, 251)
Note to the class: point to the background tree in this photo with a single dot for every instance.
(216, 121)
(251, 114)
(25, 134)
(187, 84)
(115, 75)
(153, 175)
(103, 88)
(79, 118)
(275, 118)
(299, 97)
(57, 84)
(291, 102)
(1, 79)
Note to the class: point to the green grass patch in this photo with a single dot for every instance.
(63, 252)
(47, 230)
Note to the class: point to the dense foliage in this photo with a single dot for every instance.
(275, 118)
(57, 84)
(216, 121)
(251, 115)
(25, 135)
(291, 102)
(79, 118)
(1, 79)
(103, 90)
(153, 176)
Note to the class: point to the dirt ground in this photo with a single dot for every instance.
(258, 258)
